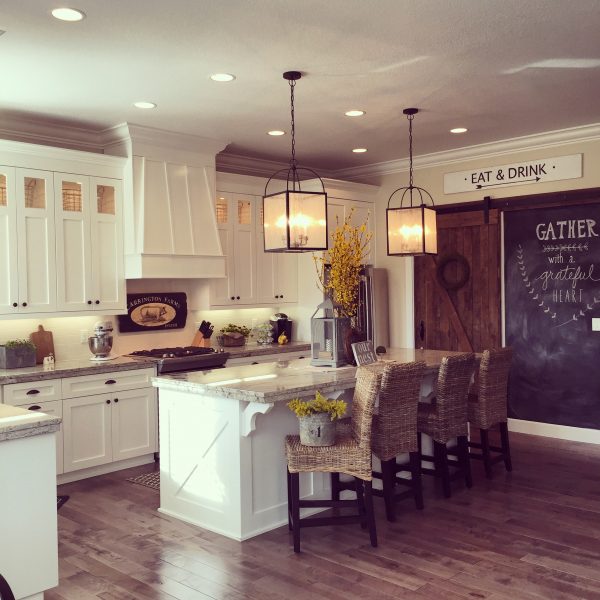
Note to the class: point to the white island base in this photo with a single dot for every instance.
(222, 463)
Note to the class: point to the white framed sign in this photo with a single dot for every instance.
(526, 172)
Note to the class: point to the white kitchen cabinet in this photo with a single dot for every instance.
(236, 226)
(89, 243)
(43, 396)
(28, 268)
(61, 232)
(338, 209)
(277, 272)
(108, 427)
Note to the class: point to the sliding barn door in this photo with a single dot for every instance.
(457, 292)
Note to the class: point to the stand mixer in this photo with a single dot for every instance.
(100, 344)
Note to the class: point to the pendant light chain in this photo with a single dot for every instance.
(293, 127)
(410, 146)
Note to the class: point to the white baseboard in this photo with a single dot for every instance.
(104, 469)
(561, 432)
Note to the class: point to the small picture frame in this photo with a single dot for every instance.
(364, 353)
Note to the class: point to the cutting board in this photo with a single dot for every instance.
(44, 344)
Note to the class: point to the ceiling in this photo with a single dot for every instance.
(501, 68)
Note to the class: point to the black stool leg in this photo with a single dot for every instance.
(485, 451)
(441, 466)
(505, 446)
(463, 457)
(370, 513)
(335, 486)
(295, 481)
(290, 504)
(388, 477)
(360, 501)
(417, 486)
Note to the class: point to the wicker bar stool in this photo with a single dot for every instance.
(446, 418)
(395, 432)
(487, 408)
(351, 454)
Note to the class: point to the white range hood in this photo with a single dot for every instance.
(169, 205)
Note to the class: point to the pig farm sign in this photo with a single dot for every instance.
(154, 311)
(532, 171)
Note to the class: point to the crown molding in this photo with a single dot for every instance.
(31, 131)
(258, 167)
(549, 139)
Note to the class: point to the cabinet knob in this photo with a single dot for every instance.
(276, 296)
(281, 296)
(237, 297)
(233, 297)
(15, 304)
(97, 302)
(108, 402)
(89, 301)
(116, 399)
(24, 304)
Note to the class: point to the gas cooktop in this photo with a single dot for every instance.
(186, 358)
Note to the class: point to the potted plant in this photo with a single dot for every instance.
(317, 419)
(16, 354)
(339, 271)
(233, 335)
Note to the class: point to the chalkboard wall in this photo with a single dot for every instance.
(552, 291)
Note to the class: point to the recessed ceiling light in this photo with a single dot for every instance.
(359, 150)
(355, 113)
(68, 14)
(222, 77)
(459, 130)
(144, 104)
(276, 132)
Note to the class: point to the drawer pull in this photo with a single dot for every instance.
(32, 392)
(35, 407)
(110, 382)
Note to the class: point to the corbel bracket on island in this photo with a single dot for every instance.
(249, 416)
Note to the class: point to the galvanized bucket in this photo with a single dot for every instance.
(317, 430)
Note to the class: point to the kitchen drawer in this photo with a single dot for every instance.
(34, 392)
(265, 358)
(115, 381)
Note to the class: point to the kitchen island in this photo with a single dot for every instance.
(222, 437)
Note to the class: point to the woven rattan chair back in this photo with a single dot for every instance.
(493, 387)
(452, 395)
(397, 415)
(363, 404)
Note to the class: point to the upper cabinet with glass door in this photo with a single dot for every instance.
(61, 238)
(89, 249)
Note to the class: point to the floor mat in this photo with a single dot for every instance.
(60, 500)
(151, 480)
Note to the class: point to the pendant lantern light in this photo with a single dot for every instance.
(411, 229)
(294, 220)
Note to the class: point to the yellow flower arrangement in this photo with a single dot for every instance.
(319, 404)
(346, 256)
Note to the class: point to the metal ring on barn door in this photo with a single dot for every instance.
(464, 271)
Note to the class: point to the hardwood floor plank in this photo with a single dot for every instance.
(530, 535)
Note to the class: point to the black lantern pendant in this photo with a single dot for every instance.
(411, 229)
(294, 220)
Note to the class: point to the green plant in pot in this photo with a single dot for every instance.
(317, 419)
(233, 335)
(16, 354)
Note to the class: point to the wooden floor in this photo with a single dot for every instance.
(528, 535)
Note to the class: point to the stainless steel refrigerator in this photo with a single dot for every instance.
(372, 318)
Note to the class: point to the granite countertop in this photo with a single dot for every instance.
(71, 368)
(16, 422)
(283, 380)
(259, 349)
